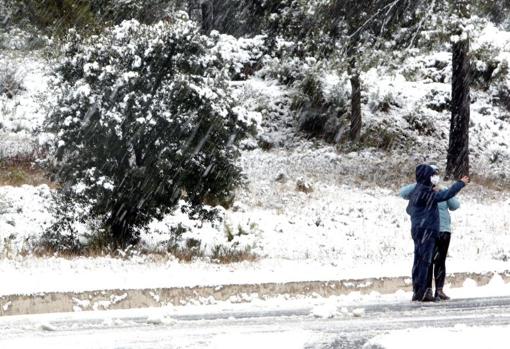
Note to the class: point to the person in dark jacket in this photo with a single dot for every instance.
(438, 271)
(424, 212)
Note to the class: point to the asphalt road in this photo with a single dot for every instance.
(258, 328)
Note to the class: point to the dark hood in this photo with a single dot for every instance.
(423, 174)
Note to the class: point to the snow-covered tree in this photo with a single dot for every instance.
(360, 29)
(348, 35)
(144, 118)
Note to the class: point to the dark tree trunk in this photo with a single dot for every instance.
(118, 234)
(60, 5)
(458, 149)
(121, 231)
(355, 130)
(207, 16)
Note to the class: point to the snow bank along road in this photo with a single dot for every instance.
(475, 323)
(51, 302)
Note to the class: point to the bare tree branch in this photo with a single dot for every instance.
(420, 25)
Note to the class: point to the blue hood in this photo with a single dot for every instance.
(423, 174)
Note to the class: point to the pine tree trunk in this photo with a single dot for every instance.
(60, 5)
(355, 130)
(207, 16)
(121, 234)
(118, 235)
(458, 149)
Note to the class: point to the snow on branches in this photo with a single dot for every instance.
(145, 116)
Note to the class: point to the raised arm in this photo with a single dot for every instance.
(445, 195)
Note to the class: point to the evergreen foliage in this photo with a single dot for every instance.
(144, 118)
(56, 17)
(53, 16)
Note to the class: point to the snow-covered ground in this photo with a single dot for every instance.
(466, 337)
(308, 212)
(336, 231)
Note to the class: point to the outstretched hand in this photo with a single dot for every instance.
(465, 179)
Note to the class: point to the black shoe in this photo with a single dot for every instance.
(440, 295)
(428, 297)
(415, 297)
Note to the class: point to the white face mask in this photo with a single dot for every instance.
(434, 179)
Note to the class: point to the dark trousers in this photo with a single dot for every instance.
(438, 268)
(424, 247)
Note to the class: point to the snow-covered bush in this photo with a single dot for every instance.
(421, 123)
(11, 81)
(225, 255)
(501, 95)
(286, 70)
(320, 108)
(53, 242)
(434, 68)
(487, 67)
(144, 118)
(16, 29)
(27, 39)
(378, 102)
(240, 57)
(66, 232)
(438, 100)
(383, 136)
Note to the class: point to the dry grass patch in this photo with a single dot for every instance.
(18, 171)
(227, 255)
(491, 183)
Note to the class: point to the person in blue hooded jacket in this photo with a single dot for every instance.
(425, 226)
(438, 268)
